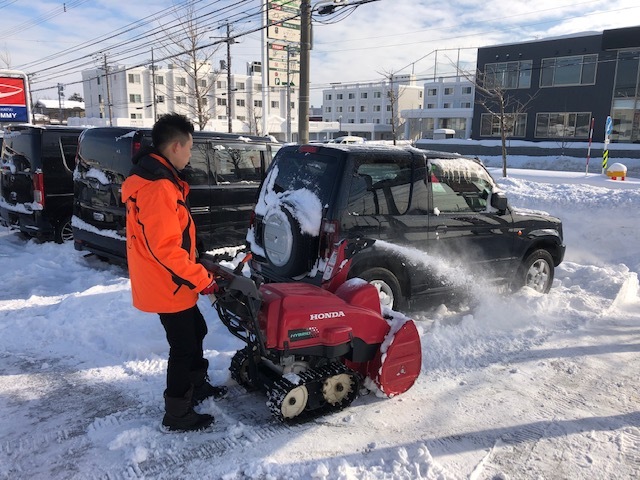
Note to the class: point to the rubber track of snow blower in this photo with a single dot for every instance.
(277, 393)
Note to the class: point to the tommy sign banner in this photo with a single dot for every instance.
(13, 100)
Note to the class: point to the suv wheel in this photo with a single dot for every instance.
(63, 231)
(537, 272)
(288, 249)
(388, 286)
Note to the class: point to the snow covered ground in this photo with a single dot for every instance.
(512, 387)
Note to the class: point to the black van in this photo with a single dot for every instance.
(36, 180)
(224, 174)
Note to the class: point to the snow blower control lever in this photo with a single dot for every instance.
(309, 349)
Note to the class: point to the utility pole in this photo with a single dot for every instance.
(106, 76)
(153, 84)
(305, 48)
(60, 95)
(229, 99)
(289, 47)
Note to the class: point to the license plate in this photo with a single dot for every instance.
(98, 216)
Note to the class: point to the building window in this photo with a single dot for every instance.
(134, 78)
(338, 96)
(242, 118)
(352, 96)
(159, 79)
(181, 82)
(204, 101)
(275, 104)
(377, 94)
(136, 116)
(466, 90)
(135, 98)
(515, 124)
(446, 105)
(221, 84)
(363, 108)
(339, 109)
(257, 103)
(448, 91)
(363, 94)
(240, 85)
(221, 101)
(180, 100)
(293, 105)
(203, 83)
(327, 96)
(160, 98)
(363, 120)
(508, 74)
(431, 105)
(257, 87)
(240, 102)
(563, 125)
(377, 108)
(388, 108)
(563, 71)
(351, 109)
(327, 109)
(432, 92)
(465, 104)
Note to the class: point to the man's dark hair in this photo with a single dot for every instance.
(169, 128)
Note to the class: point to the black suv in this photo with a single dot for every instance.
(401, 209)
(36, 180)
(224, 174)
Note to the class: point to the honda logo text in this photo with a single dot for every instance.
(325, 315)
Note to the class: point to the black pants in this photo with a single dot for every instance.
(185, 333)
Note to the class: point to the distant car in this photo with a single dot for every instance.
(224, 174)
(395, 207)
(347, 140)
(36, 180)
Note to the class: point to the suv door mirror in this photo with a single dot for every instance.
(499, 201)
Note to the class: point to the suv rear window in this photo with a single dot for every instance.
(300, 171)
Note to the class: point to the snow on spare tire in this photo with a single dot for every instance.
(291, 222)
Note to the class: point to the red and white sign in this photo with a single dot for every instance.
(13, 100)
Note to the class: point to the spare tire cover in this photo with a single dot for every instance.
(288, 250)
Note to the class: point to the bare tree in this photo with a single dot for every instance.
(184, 44)
(393, 94)
(503, 108)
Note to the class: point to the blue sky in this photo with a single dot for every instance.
(56, 40)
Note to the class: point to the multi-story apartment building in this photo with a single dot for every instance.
(139, 95)
(565, 82)
(372, 110)
(448, 103)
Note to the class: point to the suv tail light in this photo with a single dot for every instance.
(135, 147)
(308, 149)
(38, 188)
(329, 233)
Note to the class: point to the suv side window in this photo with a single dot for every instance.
(197, 172)
(237, 164)
(459, 186)
(381, 189)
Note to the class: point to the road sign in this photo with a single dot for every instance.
(278, 66)
(608, 127)
(283, 20)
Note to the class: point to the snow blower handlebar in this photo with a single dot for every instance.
(238, 300)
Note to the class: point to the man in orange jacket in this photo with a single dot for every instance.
(165, 277)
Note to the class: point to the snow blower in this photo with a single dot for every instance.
(312, 348)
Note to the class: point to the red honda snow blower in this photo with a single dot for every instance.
(311, 349)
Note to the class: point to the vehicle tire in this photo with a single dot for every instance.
(388, 286)
(536, 272)
(289, 251)
(63, 232)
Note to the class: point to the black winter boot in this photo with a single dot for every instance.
(180, 417)
(202, 389)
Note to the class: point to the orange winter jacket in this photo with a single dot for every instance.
(161, 238)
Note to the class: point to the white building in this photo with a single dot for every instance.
(368, 109)
(448, 103)
(131, 94)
